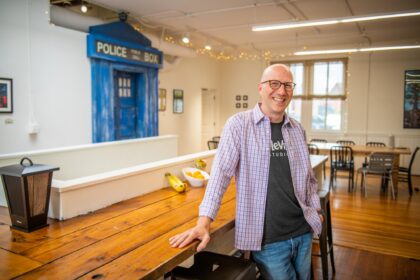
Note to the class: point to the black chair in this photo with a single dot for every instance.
(212, 144)
(315, 140)
(404, 173)
(346, 142)
(216, 138)
(313, 149)
(342, 159)
(375, 144)
(208, 265)
(379, 164)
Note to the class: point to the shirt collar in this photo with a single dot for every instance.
(259, 116)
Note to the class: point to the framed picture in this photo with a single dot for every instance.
(412, 99)
(6, 95)
(162, 99)
(178, 95)
(238, 98)
(238, 105)
(245, 97)
(245, 105)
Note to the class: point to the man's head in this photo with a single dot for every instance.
(276, 91)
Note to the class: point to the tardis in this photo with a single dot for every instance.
(124, 82)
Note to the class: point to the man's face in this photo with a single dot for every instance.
(275, 101)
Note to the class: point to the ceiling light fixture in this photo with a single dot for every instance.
(358, 50)
(207, 47)
(329, 21)
(84, 8)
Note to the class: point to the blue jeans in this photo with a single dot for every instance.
(288, 259)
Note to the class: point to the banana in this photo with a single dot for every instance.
(175, 182)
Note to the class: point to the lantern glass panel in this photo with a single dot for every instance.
(37, 193)
(15, 195)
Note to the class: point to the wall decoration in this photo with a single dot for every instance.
(238, 105)
(238, 98)
(6, 95)
(178, 101)
(244, 105)
(412, 99)
(245, 97)
(162, 99)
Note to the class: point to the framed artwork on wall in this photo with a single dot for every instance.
(238, 98)
(162, 99)
(245, 97)
(412, 99)
(6, 95)
(245, 105)
(178, 95)
(238, 105)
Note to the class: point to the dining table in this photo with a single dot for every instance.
(365, 151)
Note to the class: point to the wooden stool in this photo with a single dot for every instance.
(208, 265)
(326, 238)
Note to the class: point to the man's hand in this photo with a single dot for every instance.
(201, 232)
(321, 217)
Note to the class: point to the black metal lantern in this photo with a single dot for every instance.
(27, 188)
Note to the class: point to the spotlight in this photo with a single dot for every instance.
(185, 39)
(207, 47)
(84, 8)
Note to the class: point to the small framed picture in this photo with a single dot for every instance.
(245, 105)
(245, 97)
(6, 95)
(238, 98)
(178, 95)
(162, 99)
(238, 105)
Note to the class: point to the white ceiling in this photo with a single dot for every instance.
(226, 24)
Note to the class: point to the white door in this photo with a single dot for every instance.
(208, 119)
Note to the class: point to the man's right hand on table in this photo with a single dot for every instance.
(201, 232)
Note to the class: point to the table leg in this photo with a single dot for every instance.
(395, 169)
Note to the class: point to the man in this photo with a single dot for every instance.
(277, 204)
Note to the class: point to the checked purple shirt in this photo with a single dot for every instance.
(244, 152)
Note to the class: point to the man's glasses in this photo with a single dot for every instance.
(274, 85)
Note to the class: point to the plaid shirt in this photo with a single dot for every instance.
(244, 152)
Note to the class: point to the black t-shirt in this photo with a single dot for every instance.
(283, 215)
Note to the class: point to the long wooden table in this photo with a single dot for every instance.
(365, 151)
(128, 240)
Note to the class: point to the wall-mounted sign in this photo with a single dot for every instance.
(178, 100)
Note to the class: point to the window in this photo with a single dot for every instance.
(323, 84)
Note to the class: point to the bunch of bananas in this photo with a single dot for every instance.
(175, 182)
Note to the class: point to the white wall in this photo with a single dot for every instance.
(51, 79)
(190, 75)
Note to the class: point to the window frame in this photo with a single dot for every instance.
(308, 79)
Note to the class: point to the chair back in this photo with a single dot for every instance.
(313, 149)
(341, 157)
(318, 140)
(212, 144)
(346, 142)
(375, 144)
(381, 162)
(216, 138)
(413, 156)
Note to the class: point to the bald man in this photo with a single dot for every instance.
(277, 207)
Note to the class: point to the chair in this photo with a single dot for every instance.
(379, 164)
(209, 265)
(212, 144)
(216, 138)
(342, 160)
(314, 140)
(404, 173)
(346, 142)
(313, 149)
(375, 144)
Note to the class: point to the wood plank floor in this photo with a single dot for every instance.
(377, 223)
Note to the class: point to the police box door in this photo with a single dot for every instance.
(125, 105)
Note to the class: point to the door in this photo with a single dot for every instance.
(208, 116)
(125, 108)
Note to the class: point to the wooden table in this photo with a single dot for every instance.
(365, 151)
(128, 240)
